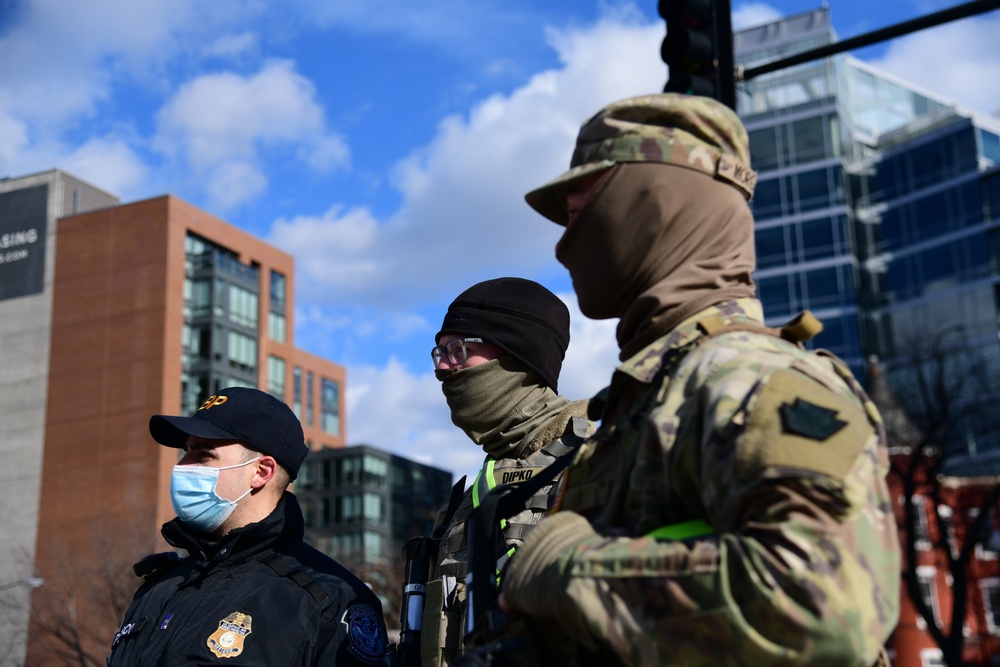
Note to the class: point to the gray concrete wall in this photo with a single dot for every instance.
(25, 323)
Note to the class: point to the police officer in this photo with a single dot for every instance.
(250, 591)
(732, 507)
(498, 356)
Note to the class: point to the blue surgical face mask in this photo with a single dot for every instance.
(192, 492)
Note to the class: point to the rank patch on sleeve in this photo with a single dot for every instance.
(227, 641)
(810, 420)
(796, 422)
(364, 633)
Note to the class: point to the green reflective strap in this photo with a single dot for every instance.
(477, 494)
(503, 561)
(682, 531)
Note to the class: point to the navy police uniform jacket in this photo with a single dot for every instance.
(260, 596)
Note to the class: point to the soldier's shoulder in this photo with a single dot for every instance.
(738, 363)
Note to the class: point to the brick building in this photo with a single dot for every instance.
(121, 312)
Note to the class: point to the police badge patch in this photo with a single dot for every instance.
(364, 636)
(227, 641)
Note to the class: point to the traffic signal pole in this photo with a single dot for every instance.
(906, 27)
(698, 47)
(726, 59)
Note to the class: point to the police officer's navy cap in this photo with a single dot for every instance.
(520, 317)
(251, 416)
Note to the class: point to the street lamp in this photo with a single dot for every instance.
(30, 582)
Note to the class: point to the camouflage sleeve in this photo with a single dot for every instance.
(802, 569)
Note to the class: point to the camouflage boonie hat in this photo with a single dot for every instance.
(698, 133)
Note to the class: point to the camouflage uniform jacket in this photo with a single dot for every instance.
(779, 451)
(441, 637)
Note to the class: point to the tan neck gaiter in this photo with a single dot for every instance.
(498, 404)
(655, 244)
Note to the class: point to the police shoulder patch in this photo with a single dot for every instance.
(365, 639)
(796, 422)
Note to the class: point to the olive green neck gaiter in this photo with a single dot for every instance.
(498, 404)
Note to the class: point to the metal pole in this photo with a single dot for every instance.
(726, 65)
(904, 28)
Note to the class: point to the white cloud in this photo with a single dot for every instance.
(957, 61)
(232, 45)
(107, 162)
(592, 354)
(404, 413)
(750, 14)
(463, 217)
(13, 139)
(462, 220)
(221, 125)
(72, 58)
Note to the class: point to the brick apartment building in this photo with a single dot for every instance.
(948, 496)
(109, 314)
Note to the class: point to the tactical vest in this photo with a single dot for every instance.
(441, 635)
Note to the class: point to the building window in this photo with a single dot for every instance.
(932, 657)
(197, 297)
(242, 307)
(305, 478)
(325, 519)
(373, 545)
(309, 398)
(351, 509)
(375, 471)
(276, 327)
(277, 292)
(242, 351)
(308, 511)
(276, 376)
(374, 508)
(330, 397)
(991, 603)
(297, 391)
(196, 342)
(350, 471)
(926, 580)
(921, 531)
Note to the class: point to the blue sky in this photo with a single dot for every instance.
(386, 145)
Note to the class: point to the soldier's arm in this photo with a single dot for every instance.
(802, 567)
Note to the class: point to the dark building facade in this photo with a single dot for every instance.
(877, 207)
(362, 504)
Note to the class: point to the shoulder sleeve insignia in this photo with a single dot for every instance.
(365, 638)
(795, 422)
(227, 641)
(810, 420)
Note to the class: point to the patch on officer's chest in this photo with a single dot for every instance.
(227, 641)
(129, 629)
(364, 633)
(795, 422)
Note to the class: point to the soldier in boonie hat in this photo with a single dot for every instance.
(732, 507)
(694, 132)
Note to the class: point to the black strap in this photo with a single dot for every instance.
(457, 493)
(500, 503)
(283, 568)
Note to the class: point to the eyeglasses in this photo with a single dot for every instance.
(454, 351)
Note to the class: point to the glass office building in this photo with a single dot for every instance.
(876, 205)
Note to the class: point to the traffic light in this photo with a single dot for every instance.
(698, 48)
